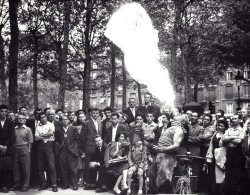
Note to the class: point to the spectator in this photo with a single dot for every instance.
(130, 111)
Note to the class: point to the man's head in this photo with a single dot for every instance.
(207, 120)
(131, 102)
(43, 118)
(139, 119)
(165, 111)
(21, 119)
(194, 117)
(98, 140)
(200, 121)
(23, 110)
(50, 114)
(59, 112)
(108, 112)
(56, 118)
(3, 111)
(236, 120)
(11, 116)
(115, 118)
(244, 113)
(71, 116)
(95, 113)
(147, 97)
(81, 117)
(121, 117)
(65, 120)
(189, 113)
(150, 117)
(37, 111)
(219, 113)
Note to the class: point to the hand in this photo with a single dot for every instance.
(92, 164)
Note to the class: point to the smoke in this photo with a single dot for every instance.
(131, 29)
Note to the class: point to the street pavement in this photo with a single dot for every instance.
(60, 191)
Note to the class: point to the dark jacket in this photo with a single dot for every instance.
(99, 155)
(108, 134)
(73, 140)
(7, 134)
(131, 117)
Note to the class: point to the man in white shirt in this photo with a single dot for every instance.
(45, 137)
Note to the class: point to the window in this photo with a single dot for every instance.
(229, 76)
(211, 94)
(132, 95)
(119, 102)
(245, 104)
(93, 102)
(200, 94)
(229, 92)
(229, 108)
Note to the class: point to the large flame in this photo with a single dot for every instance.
(131, 29)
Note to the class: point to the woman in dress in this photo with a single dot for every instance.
(116, 160)
(216, 158)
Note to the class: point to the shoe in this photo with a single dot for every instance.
(15, 188)
(100, 190)
(65, 187)
(24, 189)
(54, 189)
(5, 190)
(75, 188)
(117, 191)
(42, 187)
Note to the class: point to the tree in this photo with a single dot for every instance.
(13, 56)
(3, 20)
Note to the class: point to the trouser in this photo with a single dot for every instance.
(68, 165)
(90, 173)
(5, 171)
(46, 156)
(21, 164)
(34, 165)
(102, 175)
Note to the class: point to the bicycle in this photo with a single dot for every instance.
(183, 184)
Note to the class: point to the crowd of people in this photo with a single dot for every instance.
(137, 146)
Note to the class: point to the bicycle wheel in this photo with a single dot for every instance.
(182, 186)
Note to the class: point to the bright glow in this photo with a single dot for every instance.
(131, 29)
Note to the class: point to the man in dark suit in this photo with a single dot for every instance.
(130, 111)
(92, 128)
(68, 143)
(98, 163)
(115, 129)
(7, 138)
(106, 123)
(148, 107)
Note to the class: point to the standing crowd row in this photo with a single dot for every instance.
(73, 149)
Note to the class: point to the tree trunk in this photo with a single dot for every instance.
(87, 65)
(13, 57)
(113, 70)
(63, 70)
(35, 58)
(195, 92)
(2, 71)
(139, 92)
(124, 84)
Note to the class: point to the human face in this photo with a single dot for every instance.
(107, 114)
(139, 120)
(114, 120)
(51, 115)
(165, 111)
(60, 113)
(71, 116)
(56, 117)
(21, 119)
(206, 121)
(194, 117)
(239, 112)
(218, 115)
(200, 121)
(235, 120)
(11, 116)
(65, 121)
(147, 98)
(164, 120)
(121, 138)
(43, 119)
(81, 117)
(121, 119)
(221, 127)
(23, 111)
(244, 113)
(95, 114)
(98, 141)
(150, 118)
(131, 103)
(3, 113)
(229, 122)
